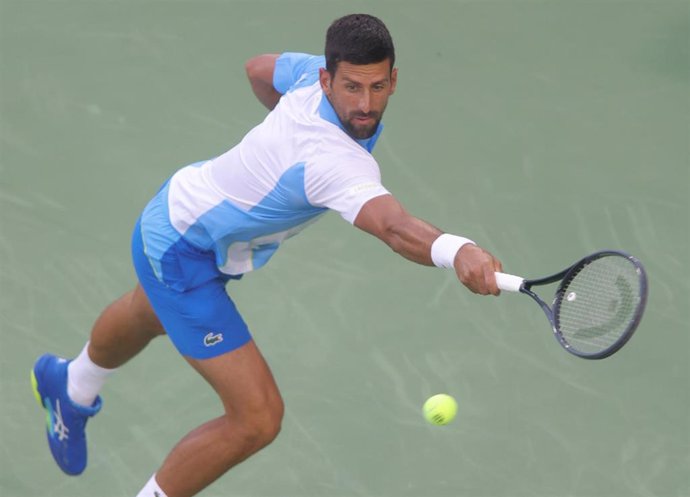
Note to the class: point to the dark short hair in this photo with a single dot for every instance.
(358, 39)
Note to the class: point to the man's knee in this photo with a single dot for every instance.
(259, 424)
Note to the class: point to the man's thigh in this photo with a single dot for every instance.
(243, 381)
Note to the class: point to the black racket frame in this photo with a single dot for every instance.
(564, 277)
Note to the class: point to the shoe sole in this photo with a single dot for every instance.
(37, 395)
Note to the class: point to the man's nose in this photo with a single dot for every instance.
(365, 102)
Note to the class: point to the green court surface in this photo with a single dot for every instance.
(544, 130)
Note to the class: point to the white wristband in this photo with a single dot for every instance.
(445, 247)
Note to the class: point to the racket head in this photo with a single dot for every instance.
(599, 304)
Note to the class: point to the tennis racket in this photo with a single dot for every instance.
(598, 304)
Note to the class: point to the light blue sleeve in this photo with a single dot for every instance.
(296, 70)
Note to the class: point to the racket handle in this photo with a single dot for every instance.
(508, 282)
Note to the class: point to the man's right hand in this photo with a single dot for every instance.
(475, 268)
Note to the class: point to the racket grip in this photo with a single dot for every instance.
(508, 282)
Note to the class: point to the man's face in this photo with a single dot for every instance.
(359, 94)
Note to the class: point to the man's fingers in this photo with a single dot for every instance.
(490, 280)
(485, 275)
(498, 268)
(477, 270)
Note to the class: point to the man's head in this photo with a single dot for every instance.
(359, 75)
(358, 39)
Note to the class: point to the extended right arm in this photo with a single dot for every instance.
(385, 218)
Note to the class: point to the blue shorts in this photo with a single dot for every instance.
(202, 321)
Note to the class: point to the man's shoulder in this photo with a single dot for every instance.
(295, 70)
(304, 98)
(335, 150)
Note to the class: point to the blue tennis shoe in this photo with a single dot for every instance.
(65, 420)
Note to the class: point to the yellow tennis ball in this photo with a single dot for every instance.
(440, 409)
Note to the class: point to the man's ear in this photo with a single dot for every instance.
(325, 80)
(394, 80)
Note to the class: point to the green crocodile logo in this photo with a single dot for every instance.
(213, 338)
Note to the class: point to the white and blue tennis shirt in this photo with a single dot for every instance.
(285, 173)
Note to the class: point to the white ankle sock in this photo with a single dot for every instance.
(151, 489)
(85, 379)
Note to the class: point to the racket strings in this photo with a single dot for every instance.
(598, 304)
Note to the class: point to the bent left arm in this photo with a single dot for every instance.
(260, 73)
(411, 237)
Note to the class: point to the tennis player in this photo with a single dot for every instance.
(216, 220)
